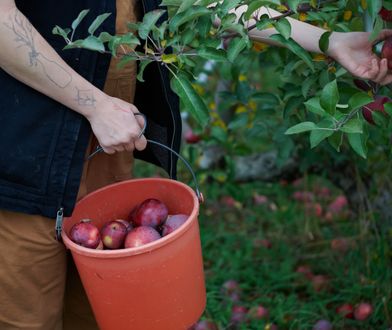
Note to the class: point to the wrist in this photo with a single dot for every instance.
(335, 40)
(88, 101)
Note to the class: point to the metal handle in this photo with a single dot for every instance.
(197, 190)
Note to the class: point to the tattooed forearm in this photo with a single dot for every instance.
(24, 37)
(85, 98)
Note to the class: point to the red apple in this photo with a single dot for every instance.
(232, 290)
(204, 325)
(322, 325)
(262, 242)
(127, 224)
(346, 310)
(341, 245)
(173, 222)
(305, 270)
(113, 234)
(377, 104)
(238, 314)
(362, 84)
(258, 312)
(362, 311)
(140, 236)
(151, 212)
(191, 138)
(338, 204)
(85, 233)
(320, 282)
(303, 196)
(260, 199)
(132, 214)
(386, 51)
(385, 14)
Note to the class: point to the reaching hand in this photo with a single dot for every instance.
(116, 127)
(354, 51)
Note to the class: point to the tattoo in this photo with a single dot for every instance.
(24, 37)
(85, 97)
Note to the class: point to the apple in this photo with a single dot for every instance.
(113, 234)
(322, 325)
(173, 222)
(260, 199)
(363, 85)
(385, 14)
(238, 314)
(346, 310)
(271, 326)
(126, 223)
(338, 204)
(303, 196)
(191, 138)
(151, 212)
(258, 312)
(377, 104)
(341, 245)
(85, 234)
(305, 270)
(362, 311)
(320, 282)
(132, 214)
(232, 290)
(204, 325)
(140, 236)
(262, 242)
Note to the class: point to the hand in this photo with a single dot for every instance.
(354, 51)
(116, 127)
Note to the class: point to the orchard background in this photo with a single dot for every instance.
(292, 153)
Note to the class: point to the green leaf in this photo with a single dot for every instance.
(210, 53)
(149, 21)
(358, 100)
(93, 43)
(301, 127)
(378, 26)
(236, 46)
(313, 105)
(322, 132)
(336, 140)
(184, 17)
(293, 4)
(97, 23)
(191, 100)
(357, 142)
(283, 27)
(61, 32)
(77, 21)
(143, 64)
(295, 48)
(330, 97)
(373, 7)
(185, 4)
(388, 108)
(324, 41)
(252, 7)
(353, 126)
(105, 37)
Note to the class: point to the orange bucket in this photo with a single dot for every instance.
(157, 286)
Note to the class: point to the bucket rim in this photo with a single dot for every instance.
(149, 247)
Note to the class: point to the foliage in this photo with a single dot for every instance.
(320, 98)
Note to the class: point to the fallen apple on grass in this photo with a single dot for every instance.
(322, 325)
(85, 234)
(362, 311)
(346, 310)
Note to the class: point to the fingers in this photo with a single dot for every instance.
(383, 35)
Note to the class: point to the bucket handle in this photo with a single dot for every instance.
(197, 190)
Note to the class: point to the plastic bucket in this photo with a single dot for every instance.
(157, 286)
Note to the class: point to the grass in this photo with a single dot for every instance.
(234, 239)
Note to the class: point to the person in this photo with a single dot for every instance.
(56, 107)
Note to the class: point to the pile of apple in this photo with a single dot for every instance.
(147, 222)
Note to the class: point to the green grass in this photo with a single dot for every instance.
(267, 276)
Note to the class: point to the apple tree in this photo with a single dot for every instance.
(246, 98)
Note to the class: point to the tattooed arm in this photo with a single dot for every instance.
(26, 55)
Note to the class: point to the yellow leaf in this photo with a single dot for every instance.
(169, 58)
(347, 15)
(364, 4)
(302, 17)
(240, 109)
(259, 46)
(242, 77)
(282, 8)
(163, 43)
(319, 58)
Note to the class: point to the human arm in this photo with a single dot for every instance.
(27, 56)
(352, 50)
